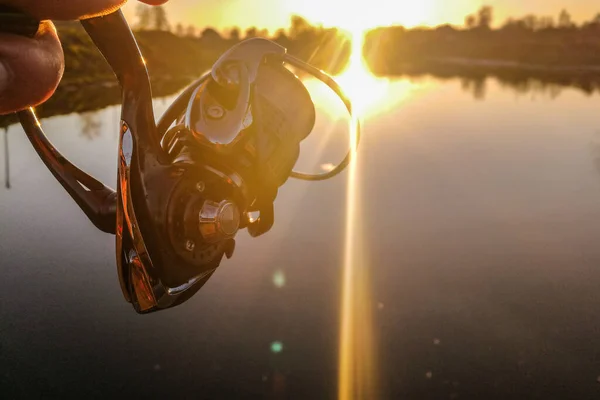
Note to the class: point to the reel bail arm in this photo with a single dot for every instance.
(96, 200)
(116, 42)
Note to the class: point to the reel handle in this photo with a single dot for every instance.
(113, 37)
(97, 201)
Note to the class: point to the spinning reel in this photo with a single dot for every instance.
(187, 184)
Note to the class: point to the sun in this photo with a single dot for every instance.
(370, 95)
(356, 79)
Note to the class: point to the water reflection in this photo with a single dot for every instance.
(374, 95)
(532, 88)
(595, 150)
(521, 79)
(91, 124)
(87, 97)
(6, 161)
(475, 86)
(481, 221)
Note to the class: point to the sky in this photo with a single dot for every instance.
(355, 14)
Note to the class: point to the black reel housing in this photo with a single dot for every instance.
(208, 189)
(188, 183)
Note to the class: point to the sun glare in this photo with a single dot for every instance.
(356, 363)
(370, 95)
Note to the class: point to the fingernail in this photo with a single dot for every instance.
(5, 77)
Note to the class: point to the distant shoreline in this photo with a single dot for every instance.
(491, 63)
(563, 57)
(79, 96)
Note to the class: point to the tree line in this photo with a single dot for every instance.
(312, 43)
(484, 18)
(530, 41)
(156, 19)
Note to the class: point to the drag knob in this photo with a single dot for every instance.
(219, 221)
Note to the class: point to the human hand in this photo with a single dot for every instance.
(31, 68)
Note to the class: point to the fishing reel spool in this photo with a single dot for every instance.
(187, 184)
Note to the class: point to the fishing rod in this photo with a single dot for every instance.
(187, 183)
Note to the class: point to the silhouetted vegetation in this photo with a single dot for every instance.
(151, 18)
(529, 42)
(551, 47)
(527, 53)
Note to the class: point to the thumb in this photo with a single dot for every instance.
(30, 68)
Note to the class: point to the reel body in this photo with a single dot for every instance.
(187, 184)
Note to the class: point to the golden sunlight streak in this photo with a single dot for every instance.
(356, 364)
(370, 95)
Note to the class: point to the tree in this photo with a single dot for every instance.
(479, 88)
(91, 125)
(210, 35)
(251, 32)
(280, 35)
(593, 24)
(234, 34)
(485, 15)
(445, 29)
(513, 25)
(190, 31)
(299, 26)
(531, 22)
(546, 23)
(564, 20)
(161, 22)
(179, 29)
(144, 16)
(470, 21)
(509, 23)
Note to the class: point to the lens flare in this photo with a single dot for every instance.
(276, 347)
(356, 363)
(279, 279)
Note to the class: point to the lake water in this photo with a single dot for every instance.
(478, 215)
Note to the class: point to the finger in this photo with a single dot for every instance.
(30, 68)
(65, 9)
(72, 9)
